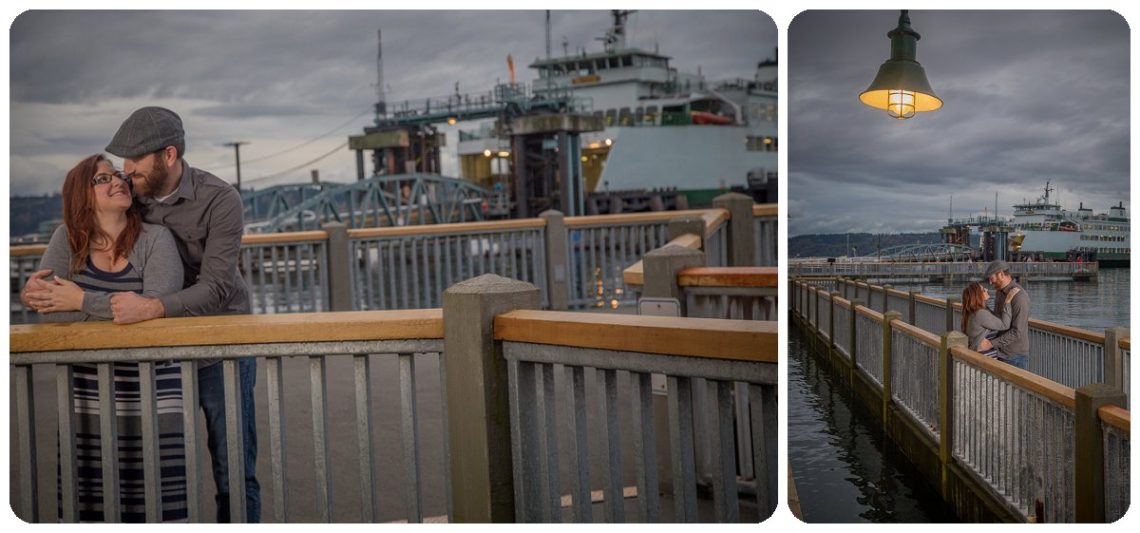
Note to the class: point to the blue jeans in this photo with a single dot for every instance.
(1019, 360)
(213, 402)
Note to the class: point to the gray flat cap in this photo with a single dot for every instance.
(148, 129)
(995, 267)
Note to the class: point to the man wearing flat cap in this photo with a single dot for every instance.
(205, 215)
(1013, 343)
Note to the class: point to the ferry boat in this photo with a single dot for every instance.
(664, 129)
(1043, 229)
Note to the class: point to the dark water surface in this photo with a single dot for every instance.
(845, 468)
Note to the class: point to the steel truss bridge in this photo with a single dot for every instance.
(393, 200)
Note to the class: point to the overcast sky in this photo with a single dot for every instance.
(281, 79)
(1028, 96)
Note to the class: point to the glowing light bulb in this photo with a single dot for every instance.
(900, 104)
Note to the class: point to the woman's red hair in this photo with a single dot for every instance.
(973, 299)
(83, 229)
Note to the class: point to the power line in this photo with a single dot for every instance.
(306, 143)
(298, 167)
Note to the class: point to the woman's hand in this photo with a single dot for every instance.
(1009, 296)
(63, 295)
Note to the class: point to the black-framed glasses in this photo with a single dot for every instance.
(104, 178)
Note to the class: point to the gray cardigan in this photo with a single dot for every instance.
(154, 257)
(983, 322)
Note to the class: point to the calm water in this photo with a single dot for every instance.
(1089, 305)
(845, 468)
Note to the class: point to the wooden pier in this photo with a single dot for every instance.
(943, 271)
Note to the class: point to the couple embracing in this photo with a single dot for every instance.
(1003, 332)
(156, 239)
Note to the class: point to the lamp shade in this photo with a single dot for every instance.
(901, 87)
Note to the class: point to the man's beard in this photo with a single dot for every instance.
(151, 183)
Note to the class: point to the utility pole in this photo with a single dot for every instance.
(237, 159)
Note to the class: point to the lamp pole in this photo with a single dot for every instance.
(237, 159)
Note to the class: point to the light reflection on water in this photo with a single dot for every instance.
(845, 468)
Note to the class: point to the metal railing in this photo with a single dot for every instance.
(823, 303)
(1116, 427)
(899, 301)
(914, 374)
(737, 293)
(883, 269)
(1016, 437)
(842, 327)
(409, 268)
(409, 338)
(765, 232)
(743, 375)
(286, 274)
(869, 343)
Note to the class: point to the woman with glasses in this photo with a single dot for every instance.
(104, 247)
(978, 322)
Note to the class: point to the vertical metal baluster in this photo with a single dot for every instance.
(702, 448)
(273, 266)
(285, 274)
(446, 444)
(69, 471)
(611, 442)
(109, 443)
(645, 448)
(405, 302)
(362, 377)
(234, 439)
(547, 425)
(26, 429)
(725, 504)
(152, 478)
(322, 262)
(265, 287)
(579, 452)
(189, 370)
(412, 483)
(439, 284)
(372, 290)
(744, 439)
(681, 447)
(318, 382)
(274, 381)
(524, 441)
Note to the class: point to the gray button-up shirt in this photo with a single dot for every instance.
(205, 216)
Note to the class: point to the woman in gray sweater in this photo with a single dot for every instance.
(977, 321)
(103, 248)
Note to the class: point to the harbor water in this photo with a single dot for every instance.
(847, 470)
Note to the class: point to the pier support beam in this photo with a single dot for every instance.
(1089, 449)
(741, 242)
(340, 270)
(557, 288)
(1113, 362)
(661, 267)
(912, 307)
(950, 301)
(479, 430)
(887, 318)
(950, 339)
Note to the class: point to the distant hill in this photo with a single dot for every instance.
(835, 244)
(27, 213)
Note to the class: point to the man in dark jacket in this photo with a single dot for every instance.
(1013, 343)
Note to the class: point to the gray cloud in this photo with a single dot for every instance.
(281, 78)
(1029, 96)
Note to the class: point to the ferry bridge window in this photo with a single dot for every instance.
(626, 61)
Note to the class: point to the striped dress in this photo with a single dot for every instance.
(168, 388)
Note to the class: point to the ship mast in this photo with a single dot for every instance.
(380, 97)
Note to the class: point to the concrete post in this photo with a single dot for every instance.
(887, 298)
(950, 301)
(557, 260)
(1113, 359)
(887, 318)
(682, 225)
(340, 269)
(831, 321)
(912, 307)
(854, 345)
(479, 428)
(661, 267)
(950, 339)
(1089, 449)
(741, 238)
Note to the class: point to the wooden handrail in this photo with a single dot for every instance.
(740, 340)
(765, 210)
(1067, 331)
(870, 313)
(1126, 343)
(930, 300)
(26, 250)
(900, 294)
(1022, 378)
(728, 277)
(231, 329)
(456, 227)
(655, 216)
(289, 238)
(841, 302)
(714, 218)
(635, 273)
(918, 334)
(1116, 416)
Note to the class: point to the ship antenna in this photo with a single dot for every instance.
(549, 79)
